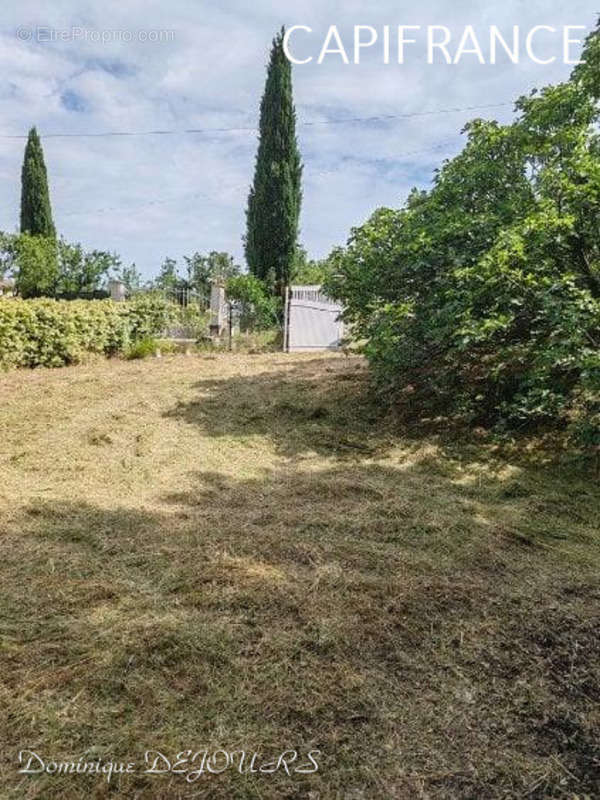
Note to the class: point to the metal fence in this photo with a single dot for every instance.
(186, 297)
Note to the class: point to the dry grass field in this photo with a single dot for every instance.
(243, 553)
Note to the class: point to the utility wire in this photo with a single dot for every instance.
(377, 118)
(229, 189)
(404, 116)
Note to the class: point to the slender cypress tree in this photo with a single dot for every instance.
(276, 194)
(36, 214)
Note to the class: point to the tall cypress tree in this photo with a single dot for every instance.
(36, 214)
(276, 194)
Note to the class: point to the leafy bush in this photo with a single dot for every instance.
(35, 259)
(150, 314)
(258, 309)
(148, 346)
(80, 273)
(264, 341)
(191, 322)
(53, 333)
(483, 294)
(310, 271)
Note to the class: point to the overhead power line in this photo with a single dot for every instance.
(381, 117)
(347, 120)
(185, 199)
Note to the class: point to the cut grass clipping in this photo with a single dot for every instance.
(244, 553)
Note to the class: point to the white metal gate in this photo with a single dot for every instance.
(311, 320)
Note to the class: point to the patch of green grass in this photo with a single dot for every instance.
(143, 348)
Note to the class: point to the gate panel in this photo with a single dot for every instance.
(312, 320)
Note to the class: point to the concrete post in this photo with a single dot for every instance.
(117, 291)
(218, 310)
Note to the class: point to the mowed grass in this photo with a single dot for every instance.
(244, 552)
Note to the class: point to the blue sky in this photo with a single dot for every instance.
(151, 196)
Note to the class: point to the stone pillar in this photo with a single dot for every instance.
(218, 310)
(117, 291)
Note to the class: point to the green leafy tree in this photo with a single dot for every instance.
(310, 271)
(168, 278)
(36, 214)
(131, 277)
(257, 307)
(35, 265)
(483, 294)
(203, 270)
(80, 274)
(275, 198)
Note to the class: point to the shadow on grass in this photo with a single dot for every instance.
(331, 408)
(428, 622)
(426, 616)
(313, 406)
(363, 610)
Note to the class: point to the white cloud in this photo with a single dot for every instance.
(148, 197)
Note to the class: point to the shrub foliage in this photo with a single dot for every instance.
(258, 309)
(483, 293)
(53, 333)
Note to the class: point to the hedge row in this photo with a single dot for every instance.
(53, 333)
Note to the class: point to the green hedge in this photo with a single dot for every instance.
(53, 333)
